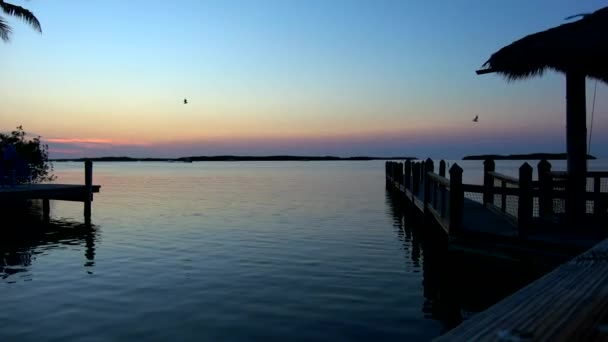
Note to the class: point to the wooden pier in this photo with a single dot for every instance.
(59, 192)
(506, 216)
(568, 304)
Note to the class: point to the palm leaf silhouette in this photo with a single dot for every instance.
(17, 12)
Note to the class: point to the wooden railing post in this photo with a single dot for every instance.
(394, 171)
(456, 198)
(488, 181)
(416, 178)
(88, 183)
(400, 171)
(545, 186)
(407, 170)
(422, 174)
(428, 167)
(442, 190)
(442, 168)
(526, 203)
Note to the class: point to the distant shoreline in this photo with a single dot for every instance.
(229, 158)
(530, 156)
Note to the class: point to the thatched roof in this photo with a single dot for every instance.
(581, 45)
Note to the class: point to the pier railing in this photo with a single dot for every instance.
(522, 201)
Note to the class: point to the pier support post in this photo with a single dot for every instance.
(488, 181)
(416, 178)
(407, 170)
(456, 199)
(428, 167)
(46, 210)
(442, 190)
(88, 183)
(400, 176)
(526, 203)
(386, 166)
(545, 186)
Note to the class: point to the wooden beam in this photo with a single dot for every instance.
(568, 304)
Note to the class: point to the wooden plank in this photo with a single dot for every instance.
(495, 191)
(478, 218)
(568, 304)
(443, 223)
(45, 191)
(501, 176)
(439, 179)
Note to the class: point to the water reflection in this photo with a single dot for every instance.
(456, 285)
(427, 251)
(25, 235)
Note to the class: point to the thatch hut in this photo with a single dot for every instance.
(578, 49)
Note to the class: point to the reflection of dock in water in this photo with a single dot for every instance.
(455, 285)
(24, 236)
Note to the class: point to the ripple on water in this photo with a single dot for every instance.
(217, 251)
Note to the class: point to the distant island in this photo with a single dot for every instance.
(531, 156)
(230, 158)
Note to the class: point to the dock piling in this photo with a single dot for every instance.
(88, 182)
(407, 170)
(488, 181)
(545, 185)
(456, 198)
(46, 210)
(428, 167)
(525, 205)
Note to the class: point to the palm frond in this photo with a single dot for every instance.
(5, 30)
(21, 13)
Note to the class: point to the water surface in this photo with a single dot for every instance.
(228, 251)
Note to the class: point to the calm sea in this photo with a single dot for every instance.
(225, 251)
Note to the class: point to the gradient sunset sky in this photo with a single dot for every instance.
(304, 77)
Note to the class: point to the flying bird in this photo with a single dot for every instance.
(185, 101)
(476, 119)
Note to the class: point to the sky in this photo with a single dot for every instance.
(302, 77)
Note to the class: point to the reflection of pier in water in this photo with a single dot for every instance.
(455, 285)
(24, 234)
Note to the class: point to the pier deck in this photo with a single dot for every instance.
(568, 304)
(64, 192)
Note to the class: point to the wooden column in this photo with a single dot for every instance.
(526, 203)
(428, 167)
(545, 186)
(576, 144)
(88, 183)
(407, 170)
(488, 181)
(46, 210)
(442, 168)
(400, 175)
(416, 178)
(456, 199)
(442, 190)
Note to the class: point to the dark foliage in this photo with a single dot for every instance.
(33, 151)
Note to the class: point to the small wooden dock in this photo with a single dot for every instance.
(506, 216)
(58, 192)
(568, 304)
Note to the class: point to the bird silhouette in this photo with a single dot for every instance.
(476, 119)
(185, 101)
(577, 15)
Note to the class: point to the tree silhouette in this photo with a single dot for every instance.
(17, 12)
